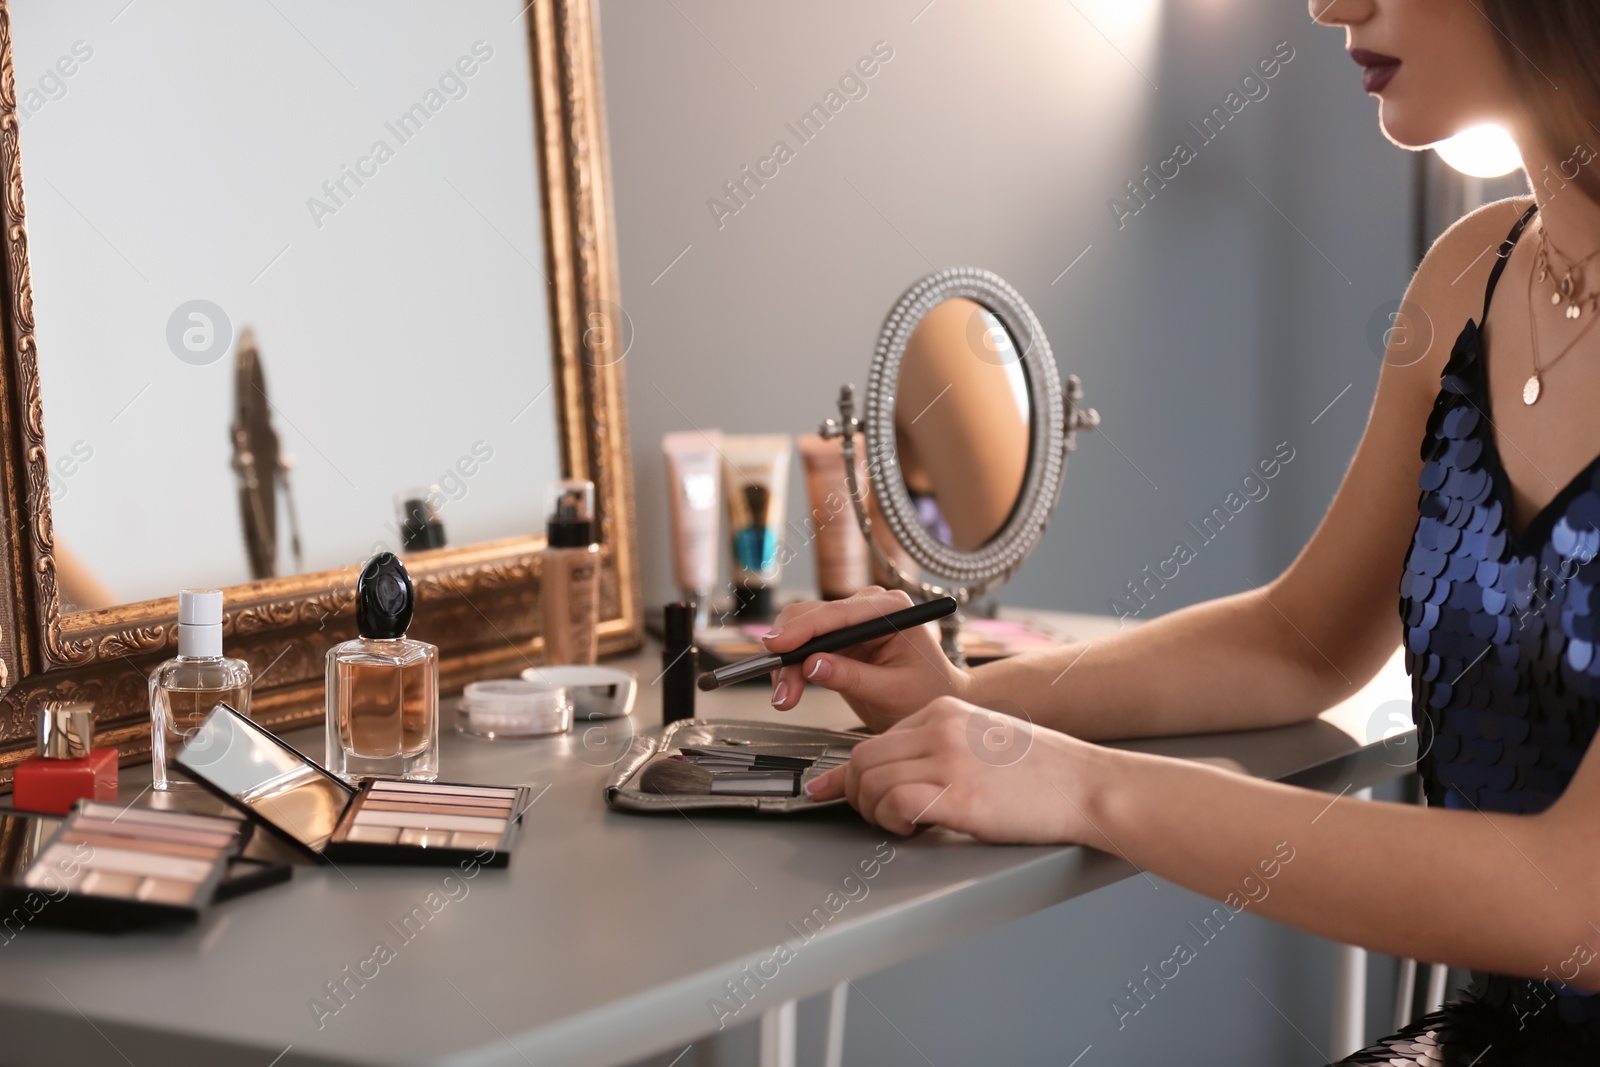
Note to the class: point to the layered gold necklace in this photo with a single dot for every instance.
(1569, 287)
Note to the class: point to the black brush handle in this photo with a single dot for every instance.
(872, 629)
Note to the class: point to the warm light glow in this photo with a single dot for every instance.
(1485, 151)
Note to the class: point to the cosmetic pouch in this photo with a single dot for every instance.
(623, 793)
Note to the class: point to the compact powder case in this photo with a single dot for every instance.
(317, 812)
(113, 868)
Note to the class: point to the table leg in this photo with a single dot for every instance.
(1349, 1001)
(837, 1002)
(1438, 980)
(777, 1036)
(1405, 994)
(1350, 991)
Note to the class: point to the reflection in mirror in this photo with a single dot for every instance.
(259, 464)
(961, 423)
(359, 191)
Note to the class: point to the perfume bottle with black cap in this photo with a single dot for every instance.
(383, 687)
(420, 527)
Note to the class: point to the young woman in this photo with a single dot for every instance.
(1495, 566)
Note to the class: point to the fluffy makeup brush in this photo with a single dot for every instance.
(676, 777)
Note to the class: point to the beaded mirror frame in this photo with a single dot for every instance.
(478, 603)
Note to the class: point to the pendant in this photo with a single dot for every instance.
(1573, 311)
(1530, 390)
(1555, 298)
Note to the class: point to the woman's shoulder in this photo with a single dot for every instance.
(1447, 290)
(1464, 253)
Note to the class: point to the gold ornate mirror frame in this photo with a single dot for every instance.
(478, 603)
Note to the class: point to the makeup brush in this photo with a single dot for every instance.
(672, 777)
(801, 751)
(735, 760)
(836, 641)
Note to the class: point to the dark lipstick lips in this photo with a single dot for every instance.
(1376, 68)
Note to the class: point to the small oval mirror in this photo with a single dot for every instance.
(966, 430)
(961, 423)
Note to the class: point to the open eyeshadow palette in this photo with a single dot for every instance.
(321, 815)
(107, 867)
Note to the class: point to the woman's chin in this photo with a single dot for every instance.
(1407, 129)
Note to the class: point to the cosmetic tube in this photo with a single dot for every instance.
(680, 664)
(694, 487)
(755, 481)
(842, 559)
(569, 582)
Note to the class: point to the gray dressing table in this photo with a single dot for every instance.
(609, 934)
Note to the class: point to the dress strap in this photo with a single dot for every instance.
(1503, 254)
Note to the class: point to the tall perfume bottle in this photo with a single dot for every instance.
(185, 689)
(569, 583)
(383, 688)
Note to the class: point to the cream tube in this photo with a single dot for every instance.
(755, 481)
(694, 486)
(842, 561)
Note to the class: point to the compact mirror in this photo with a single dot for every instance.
(967, 429)
(234, 757)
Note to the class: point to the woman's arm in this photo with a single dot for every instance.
(1507, 893)
(1277, 654)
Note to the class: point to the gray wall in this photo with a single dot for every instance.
(1220, 320)
(1208, 329)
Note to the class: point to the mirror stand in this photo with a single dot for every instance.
(846, 427)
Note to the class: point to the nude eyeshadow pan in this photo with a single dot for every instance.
(404, 822)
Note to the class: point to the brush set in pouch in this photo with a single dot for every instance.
(738, 769)
(731, 765)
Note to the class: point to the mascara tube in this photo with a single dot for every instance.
(680, 664)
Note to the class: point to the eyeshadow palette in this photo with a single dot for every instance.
(381, 821)
(401, 822)
(113, 868)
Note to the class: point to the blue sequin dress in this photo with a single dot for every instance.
(1501, 632)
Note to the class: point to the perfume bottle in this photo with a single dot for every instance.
(383, 688)
(67, 768)
(569, 583)
(185, 689)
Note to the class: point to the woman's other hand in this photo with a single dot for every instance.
(974, 770)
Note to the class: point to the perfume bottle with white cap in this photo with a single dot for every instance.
(185, 689)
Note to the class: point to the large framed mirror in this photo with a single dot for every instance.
(966, 435)
(357, 292)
